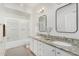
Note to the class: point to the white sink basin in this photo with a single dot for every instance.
(61, 43)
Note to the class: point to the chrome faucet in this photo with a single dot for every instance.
(49, 29)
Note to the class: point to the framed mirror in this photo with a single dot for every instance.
(67, 18)
(43, 23)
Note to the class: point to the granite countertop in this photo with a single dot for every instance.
(74, 50)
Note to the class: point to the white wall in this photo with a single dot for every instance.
(13, 20)
(15, 13)
(24, 29)
(51, 21)
(51, 17)
(34, 22)
(14, 35)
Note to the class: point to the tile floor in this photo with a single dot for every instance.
(19, 51)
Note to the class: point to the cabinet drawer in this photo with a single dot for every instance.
(62, 53)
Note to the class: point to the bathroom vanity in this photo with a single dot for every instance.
(42, 47)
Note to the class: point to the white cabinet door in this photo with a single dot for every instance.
(42, 48)
(35, 47)
(1, 32)
(49, 50)
(39, 49)
(62, 53)
(45, 49)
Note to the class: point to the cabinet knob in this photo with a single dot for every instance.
(58, 52)
(53, 50)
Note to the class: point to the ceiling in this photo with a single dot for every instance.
(28, 7)
(25, 7)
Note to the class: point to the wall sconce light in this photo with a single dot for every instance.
(42, 10)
